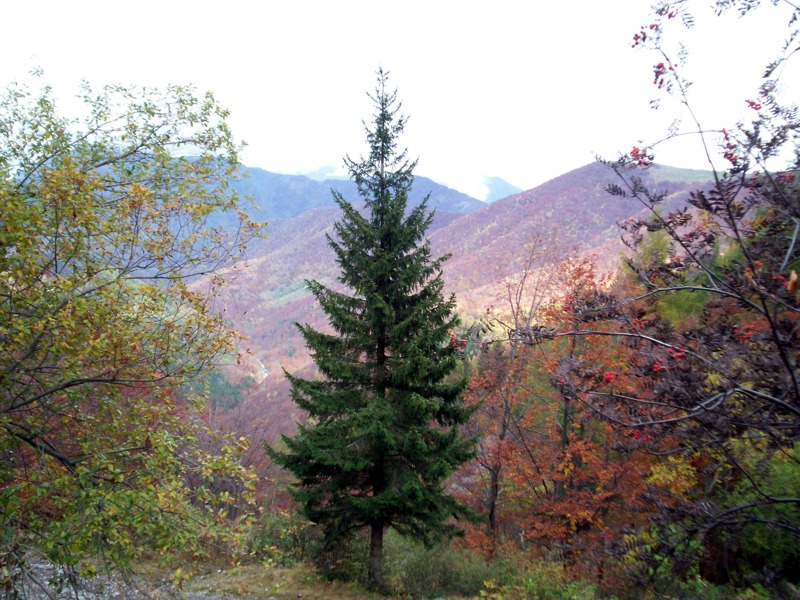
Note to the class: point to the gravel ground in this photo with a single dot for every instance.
(99, 588)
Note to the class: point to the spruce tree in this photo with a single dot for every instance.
(383, 434)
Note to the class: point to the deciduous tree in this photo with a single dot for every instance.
(717, 327)
(570, 479)
(105, 223)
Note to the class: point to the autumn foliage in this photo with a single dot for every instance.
(557, 477)
(643, 426)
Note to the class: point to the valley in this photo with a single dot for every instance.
(487, 244)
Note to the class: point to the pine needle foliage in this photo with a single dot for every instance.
(383, 432)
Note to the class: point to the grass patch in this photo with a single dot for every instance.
(268, 581)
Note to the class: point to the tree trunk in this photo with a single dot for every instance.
(494, 493)
(376, 556)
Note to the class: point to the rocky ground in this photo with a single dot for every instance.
(44, 582)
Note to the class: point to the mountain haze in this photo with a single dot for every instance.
(497, 188)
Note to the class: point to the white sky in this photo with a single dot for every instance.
(520, 89)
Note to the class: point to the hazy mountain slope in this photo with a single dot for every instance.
(269, 295)
(279, 196)
(570, 210)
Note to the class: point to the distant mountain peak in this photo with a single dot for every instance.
(327, 172)
(497, 188)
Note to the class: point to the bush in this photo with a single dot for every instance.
(443, 570)
(280, 536)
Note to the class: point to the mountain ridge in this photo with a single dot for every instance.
(281, 196)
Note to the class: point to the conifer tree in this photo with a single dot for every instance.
(383, 420)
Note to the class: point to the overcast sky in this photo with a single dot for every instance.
(522, 90)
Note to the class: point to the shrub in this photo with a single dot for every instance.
(280, 536)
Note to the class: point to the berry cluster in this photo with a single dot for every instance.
(638, 324)
(456, 344)
(730, 149)
(641, 157)
(675, 353)
(742, 334)
(636, 434)
(753, 104)
(641, 37)
(659, 71)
